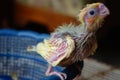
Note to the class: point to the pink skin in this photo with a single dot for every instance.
(59, 52)
(49, 72)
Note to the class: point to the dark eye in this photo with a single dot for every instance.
(92, 12)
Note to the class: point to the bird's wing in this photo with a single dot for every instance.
(56, 49)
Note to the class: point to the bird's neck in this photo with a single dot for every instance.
(85, 25)
(88, 28)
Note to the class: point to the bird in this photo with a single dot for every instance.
(70, 43)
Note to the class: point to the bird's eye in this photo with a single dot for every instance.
(92, 12)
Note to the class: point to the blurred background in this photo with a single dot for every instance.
(44, 16)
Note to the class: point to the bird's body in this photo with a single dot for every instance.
(85, 43)
(69, 43)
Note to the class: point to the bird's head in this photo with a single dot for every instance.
(93, 15)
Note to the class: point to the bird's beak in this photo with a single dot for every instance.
(104, 11)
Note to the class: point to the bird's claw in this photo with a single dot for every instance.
(62, 76)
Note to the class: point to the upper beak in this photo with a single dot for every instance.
(104, 11)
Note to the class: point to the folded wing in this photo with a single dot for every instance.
(56, 49)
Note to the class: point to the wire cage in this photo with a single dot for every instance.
(16, 63)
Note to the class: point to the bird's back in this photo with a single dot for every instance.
(71, 29)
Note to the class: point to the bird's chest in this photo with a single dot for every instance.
(84, 46)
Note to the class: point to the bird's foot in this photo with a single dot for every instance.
(62, 76)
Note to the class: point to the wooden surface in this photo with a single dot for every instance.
(94, 70)
(51, 19)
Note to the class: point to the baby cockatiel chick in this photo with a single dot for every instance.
(70, 43)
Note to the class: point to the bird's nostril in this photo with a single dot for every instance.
(101, 6)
